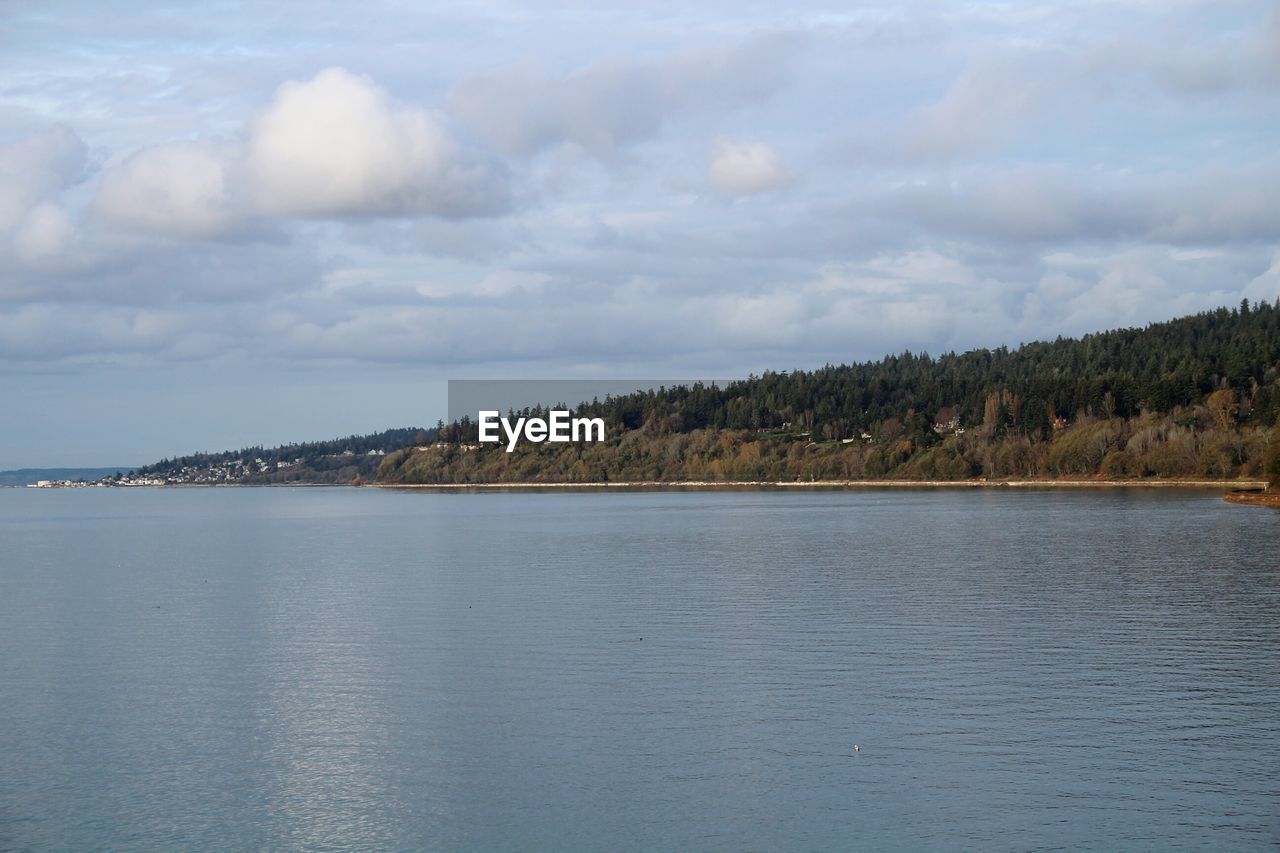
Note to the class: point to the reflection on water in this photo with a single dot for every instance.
(322, 717)
(364, 669)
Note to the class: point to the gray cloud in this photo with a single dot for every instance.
(176, 274)
(480, 241)
(1065, 69)
(1053, 205)
(1022, 172)
(35, 226)
(37, 169)
(610, 104)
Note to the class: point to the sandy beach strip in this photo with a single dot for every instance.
(851, 484)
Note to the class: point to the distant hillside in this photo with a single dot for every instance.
(340, 460)
(23, 476)
(1196, 396)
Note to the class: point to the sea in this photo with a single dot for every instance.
(872, 669)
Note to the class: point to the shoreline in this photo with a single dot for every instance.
(1236, 491)
(845, 484)
(1254, 498)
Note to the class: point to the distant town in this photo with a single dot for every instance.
(230, 472)
(341, 461)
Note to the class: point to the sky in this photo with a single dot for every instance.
(233, 223)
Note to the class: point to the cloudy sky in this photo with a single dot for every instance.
(228, 223)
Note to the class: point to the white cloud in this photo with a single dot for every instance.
(182, 188)
(1267, 285)
(335, 146)
(37, 169)
(747, 167)
(338, 145)
(43, 234)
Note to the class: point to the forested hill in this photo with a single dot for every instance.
(340, 460)
(1165, 400)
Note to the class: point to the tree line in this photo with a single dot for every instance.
(338, 460)
(1196, 396)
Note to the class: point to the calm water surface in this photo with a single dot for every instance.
(340, 668)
